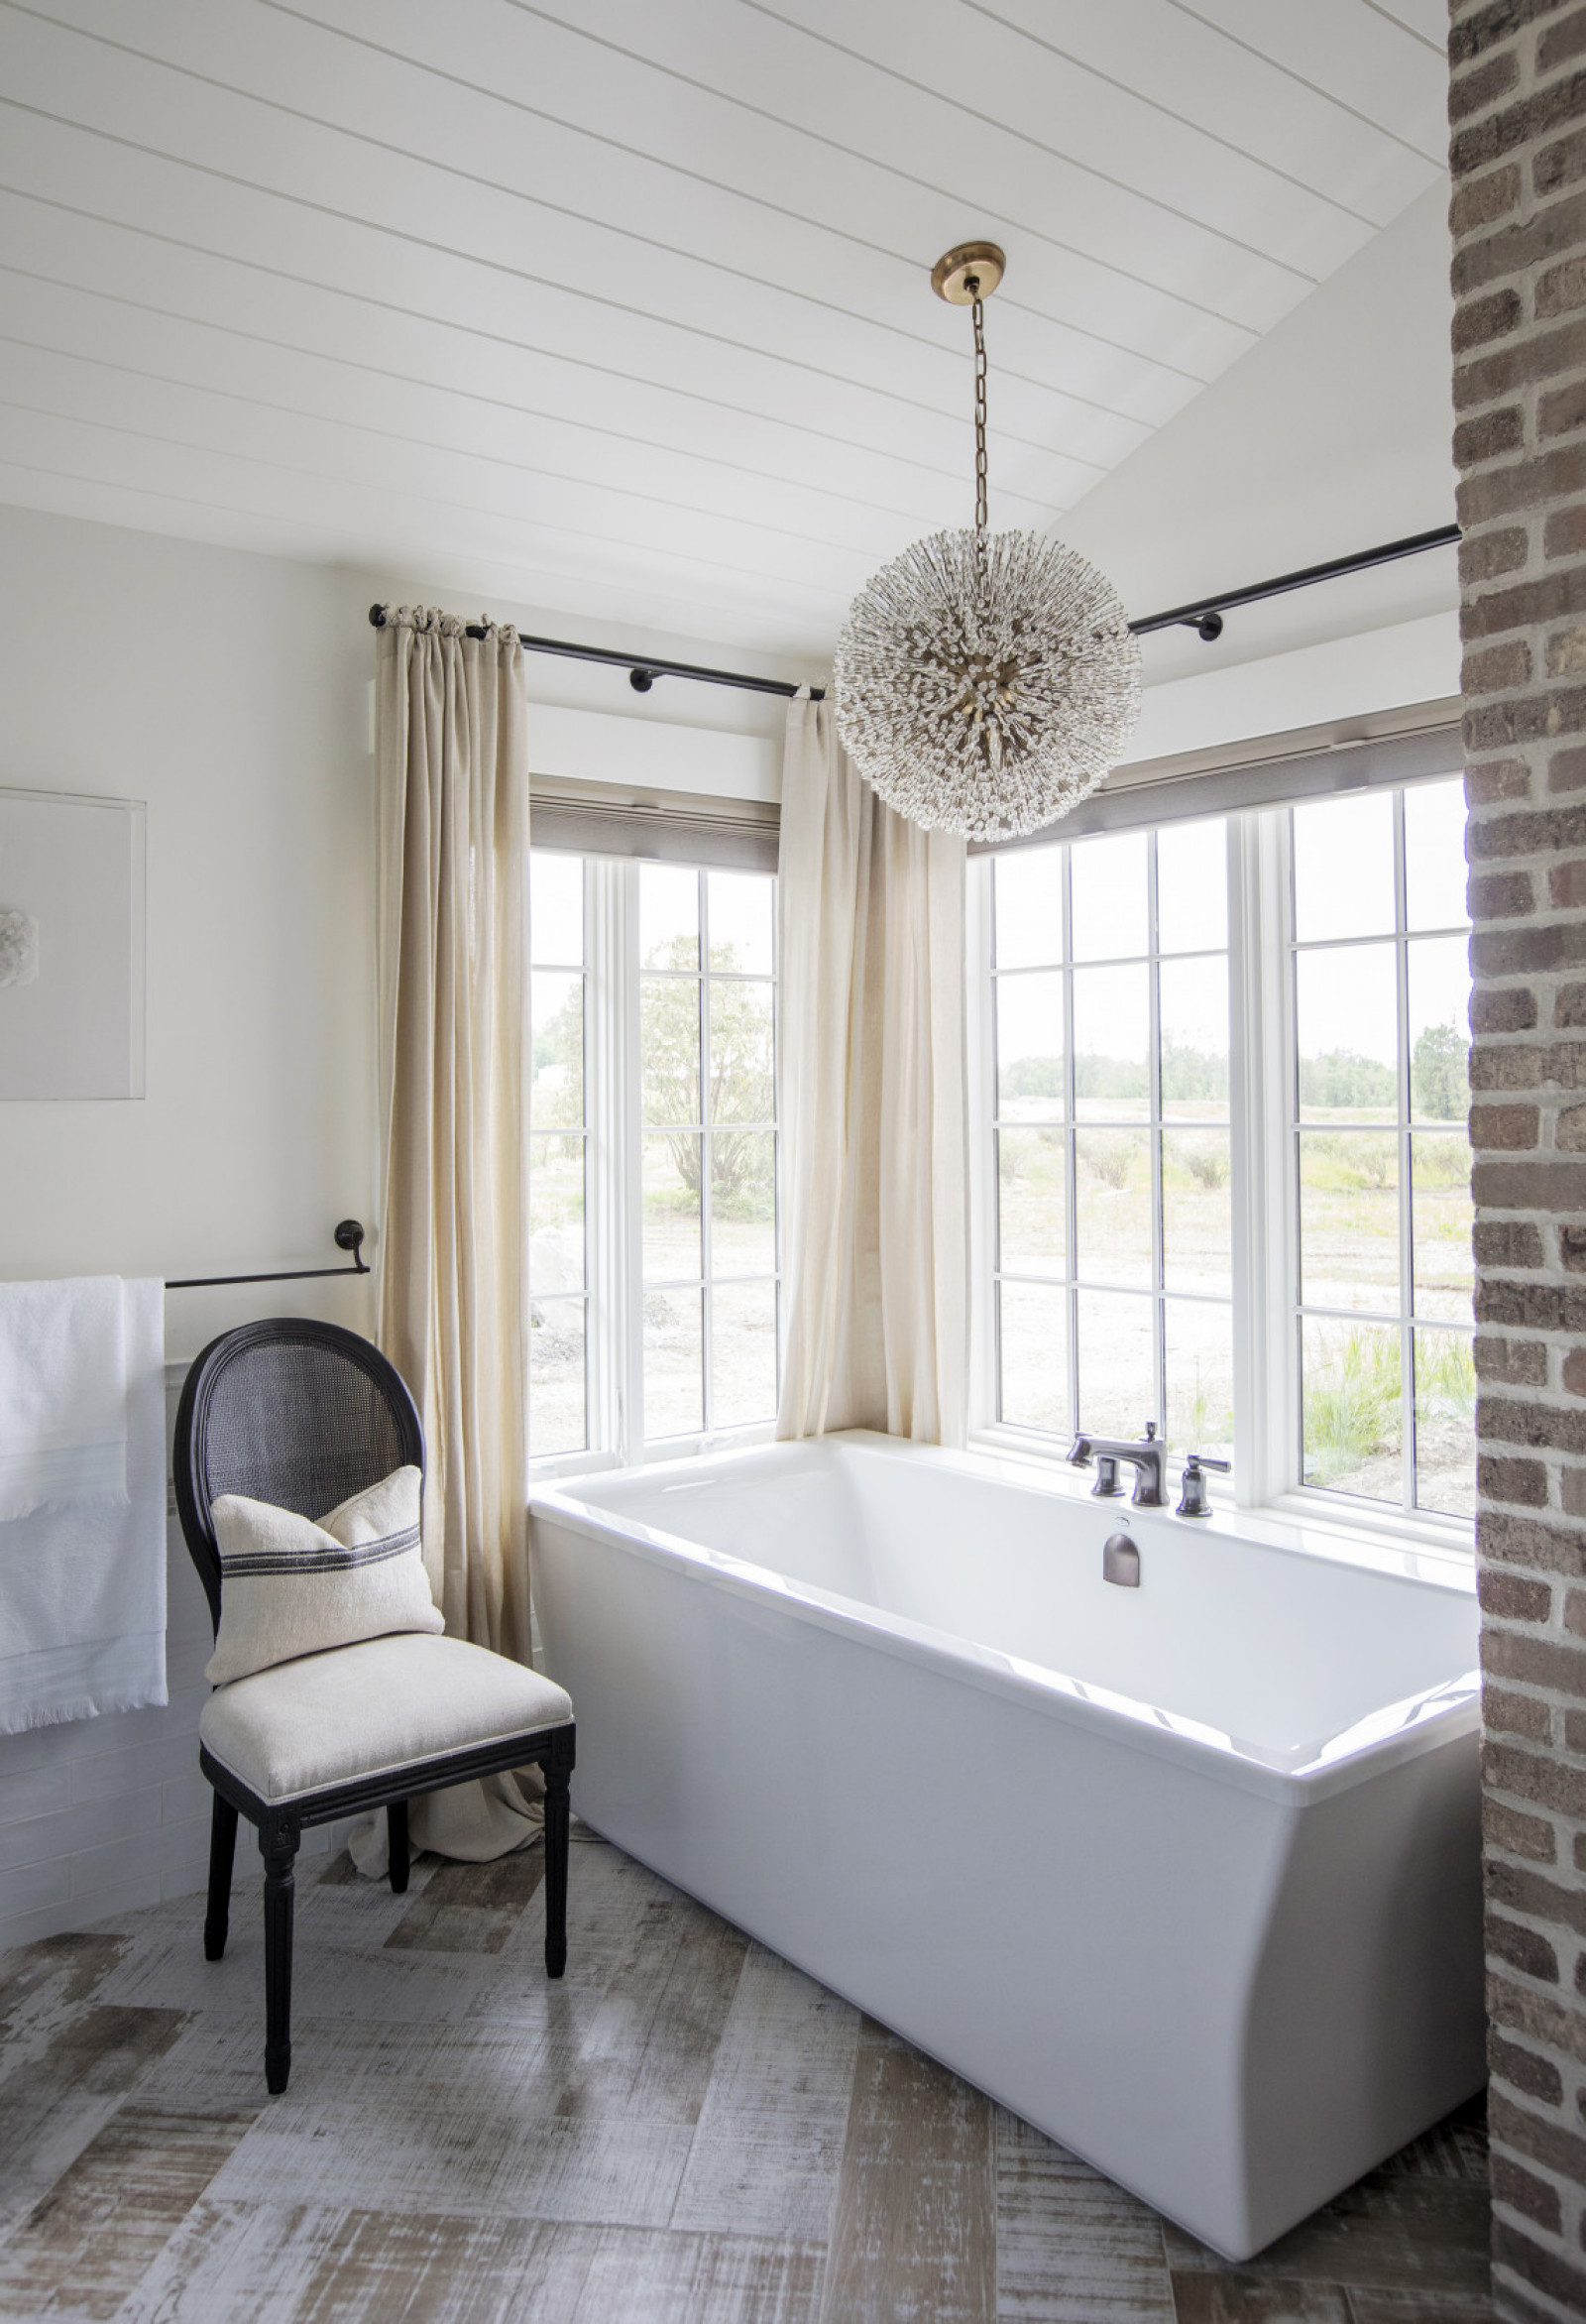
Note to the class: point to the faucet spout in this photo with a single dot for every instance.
(1145, 1456)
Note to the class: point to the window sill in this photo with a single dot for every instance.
(708, 1441)
(1326, 1520)
(1454, 1538)
(556, 1464)
(559, 1464)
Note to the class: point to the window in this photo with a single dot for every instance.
(1113, 1157)
(1382, 1162)
(1177, 1195)
(558, 1148)
(709, 1169)
(653, 1262)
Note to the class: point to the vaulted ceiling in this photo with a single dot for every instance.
(622, 305)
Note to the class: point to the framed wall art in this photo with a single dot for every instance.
(71, 946)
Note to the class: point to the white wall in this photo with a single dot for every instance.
(228, 691)
(1333, 433)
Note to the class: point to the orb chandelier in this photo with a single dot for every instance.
(986, 682)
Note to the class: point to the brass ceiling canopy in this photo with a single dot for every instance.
(966, 274)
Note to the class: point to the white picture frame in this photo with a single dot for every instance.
(71, 910)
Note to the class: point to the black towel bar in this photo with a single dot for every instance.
(349, 1236)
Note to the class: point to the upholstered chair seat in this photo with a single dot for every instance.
(370, 1709)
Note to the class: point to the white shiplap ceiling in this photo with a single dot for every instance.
(621, 305)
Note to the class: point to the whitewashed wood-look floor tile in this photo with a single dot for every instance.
(479, 2156)
(308, 2264)
(607, 1894)
(914, 2234)
(770, 2143)
(44, 1988)
(80, 2251)
(1071, 2248)
(66, 2062)
(651, 2045)
(333, 1976)
(217, 2061)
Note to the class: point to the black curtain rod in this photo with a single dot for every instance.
(1204, 616)
(642, 671)
(349, 1236)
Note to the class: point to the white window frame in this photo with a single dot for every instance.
(1263, 1194)
(614, 1193)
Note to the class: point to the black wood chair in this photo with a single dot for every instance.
(304, 1415)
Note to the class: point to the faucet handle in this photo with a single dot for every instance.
(1150, 1432)
(1192, 1500)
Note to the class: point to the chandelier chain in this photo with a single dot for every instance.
(980, 426)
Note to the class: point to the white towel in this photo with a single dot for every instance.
(83, 1587)
(62, 1394)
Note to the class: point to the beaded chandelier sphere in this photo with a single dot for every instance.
(986, 682)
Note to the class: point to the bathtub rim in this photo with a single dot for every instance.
(1435, 1716)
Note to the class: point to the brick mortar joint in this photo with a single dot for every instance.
(1525, 2106)
(1531, 859)
(1539, 2304)
(1555, 2112)
(1523, 1806)
(1546, 1397)
(1556, 2115)
(1559, 1875)
(1534, 2163)
(1543, 568)
(1546, 1633)
(1542, 683)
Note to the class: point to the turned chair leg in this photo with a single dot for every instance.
(222, 1849)
(558, 1769)
(396, 1831)
(278, 1844)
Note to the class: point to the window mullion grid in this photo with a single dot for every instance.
(1159, 1273)
(614, 1368)
(707, 1415)
(1070, 1222)
(986, 1257)
(1270, 1155)
(594, 1414)
(1406, 1346)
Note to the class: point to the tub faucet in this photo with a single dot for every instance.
(1144, 1455)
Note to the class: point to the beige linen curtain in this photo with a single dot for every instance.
(870, 913)
(452, 767)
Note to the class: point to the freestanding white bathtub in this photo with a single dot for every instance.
(1188, 1875)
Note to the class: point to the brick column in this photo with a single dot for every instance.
(1518, 115)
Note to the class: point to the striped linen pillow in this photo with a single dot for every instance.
(291, 1587)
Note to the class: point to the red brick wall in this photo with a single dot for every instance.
(1518, 145)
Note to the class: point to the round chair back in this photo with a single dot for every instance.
(290, 1411)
